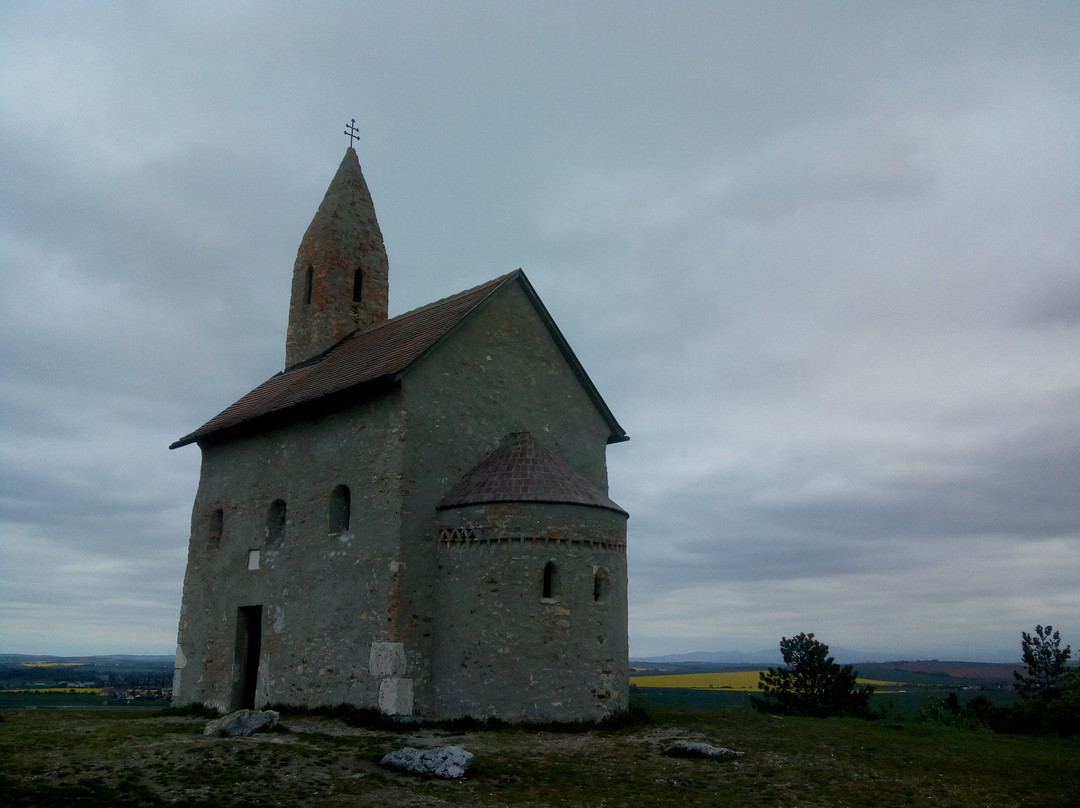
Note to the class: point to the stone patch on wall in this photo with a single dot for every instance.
(387, 659)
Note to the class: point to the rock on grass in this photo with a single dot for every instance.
(691, 749)
(447, 762)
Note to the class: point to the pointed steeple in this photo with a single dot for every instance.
(341, 275)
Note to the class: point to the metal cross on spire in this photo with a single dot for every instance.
(352, 131)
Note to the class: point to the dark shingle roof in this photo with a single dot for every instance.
(521, 470)
(380, 354)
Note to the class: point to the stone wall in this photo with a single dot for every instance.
(521, 642)
(325, 597)
(501, 372)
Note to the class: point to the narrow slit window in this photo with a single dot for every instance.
(340, 507)
(309, 281)
(217, 525)
(358, 285)
(550, 581)
(275, 521)
(601, 585)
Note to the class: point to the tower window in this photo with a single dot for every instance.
(601, 585)
(217, 525)
(550, 581)
(275, 521)
(309, 280)
(340, 504)
(358, 285)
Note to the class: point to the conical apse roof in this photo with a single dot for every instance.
(521, 470)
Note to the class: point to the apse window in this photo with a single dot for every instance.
(309, 282)
(340, 506)
(275, 521)
(551, 581)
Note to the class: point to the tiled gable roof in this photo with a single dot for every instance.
(363, 357)
(381, 354)
(521, 470)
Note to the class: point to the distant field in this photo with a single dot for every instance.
(41, 663)
(721, 680)
(51, 690)
(73, 697)
(717, 680)
(32, 698)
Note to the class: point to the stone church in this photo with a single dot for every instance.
(413, 515)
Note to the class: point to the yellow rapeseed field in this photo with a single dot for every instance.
(725, 680)
(41, 663)
(52, 690)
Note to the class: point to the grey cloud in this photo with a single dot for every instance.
(817, 258)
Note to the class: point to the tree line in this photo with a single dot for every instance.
(812, 683)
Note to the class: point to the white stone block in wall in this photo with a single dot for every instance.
(396, 696)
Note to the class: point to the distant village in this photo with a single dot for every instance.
(112, 679)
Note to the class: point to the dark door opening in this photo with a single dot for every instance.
(248, 647)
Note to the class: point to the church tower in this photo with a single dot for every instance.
(340, 279)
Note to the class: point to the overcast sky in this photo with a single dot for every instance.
(822, 259)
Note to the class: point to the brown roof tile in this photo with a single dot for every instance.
(366, 356)
(521, 470)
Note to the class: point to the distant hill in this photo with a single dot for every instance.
(767, 657)
(16, 659)
(941, 672)
(42, 670)
(930, 672)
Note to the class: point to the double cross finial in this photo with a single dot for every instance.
(352, 131)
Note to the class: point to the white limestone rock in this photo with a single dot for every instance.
(242, 722)
(447, 762)
(692, 749)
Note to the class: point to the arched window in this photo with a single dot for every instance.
(340, 504)
(217, 526)
(309, 281)
(275, 521)
(601, 585)
(358, 285)
(550, 580)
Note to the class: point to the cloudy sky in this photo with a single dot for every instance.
(822, 259)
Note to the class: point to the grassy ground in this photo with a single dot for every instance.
(127, 757)
(892, 703)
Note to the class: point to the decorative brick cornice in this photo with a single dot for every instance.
(468, 536)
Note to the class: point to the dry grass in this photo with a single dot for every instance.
(127, 757)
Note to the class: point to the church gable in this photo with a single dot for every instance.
(383, 355)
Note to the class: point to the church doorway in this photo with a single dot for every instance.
(248, 647)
